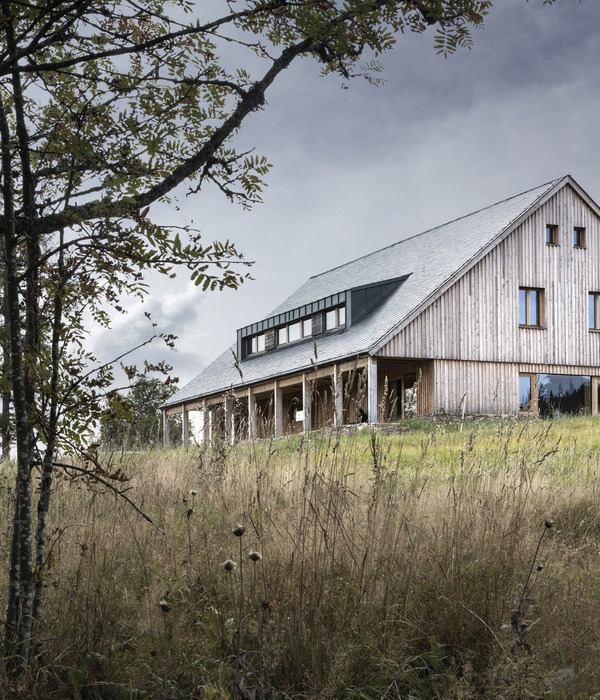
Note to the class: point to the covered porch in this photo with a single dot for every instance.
(365, 390)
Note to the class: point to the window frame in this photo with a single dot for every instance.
(579, 237)
(539, 307)
(596, 297)
(339, 316)
(533, 390)
(551, 234)
(305, 327)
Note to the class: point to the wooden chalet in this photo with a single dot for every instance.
(497, 312)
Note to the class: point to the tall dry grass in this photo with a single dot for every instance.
(388, 567)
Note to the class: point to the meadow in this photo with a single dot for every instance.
(436, 561)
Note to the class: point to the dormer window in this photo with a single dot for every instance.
(256, 344)
(335, 318)
(294, 331)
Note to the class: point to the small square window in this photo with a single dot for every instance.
(551, 234)
(579, 237)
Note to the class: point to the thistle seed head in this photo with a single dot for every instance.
(229, 565)
(254, 556)
(193, 492)
(238, 530)
(165, 606)
(549, 523)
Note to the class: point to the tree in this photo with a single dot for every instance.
(134, 420)
(107, 107)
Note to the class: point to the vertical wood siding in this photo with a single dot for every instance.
(474, 325)
(477, 318)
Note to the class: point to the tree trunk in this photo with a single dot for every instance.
(17, 625)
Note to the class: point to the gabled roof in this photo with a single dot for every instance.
(431, 262)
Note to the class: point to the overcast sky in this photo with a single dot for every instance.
(360, 168)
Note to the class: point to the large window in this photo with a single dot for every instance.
(530, 306)
(594, 311)
(560, 394)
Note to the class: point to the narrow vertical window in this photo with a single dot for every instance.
(551, 234)
(579, 237)
(530, 306)
(522, 307)
(525, 385)
(594, 311)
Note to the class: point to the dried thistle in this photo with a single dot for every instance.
(254, 556)
(164, 605)
(229, 565)
(238, 530)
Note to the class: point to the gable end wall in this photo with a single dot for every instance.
(476, 319)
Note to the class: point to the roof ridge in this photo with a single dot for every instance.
(548, 185)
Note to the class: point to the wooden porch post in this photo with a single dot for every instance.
(306, 403)
(229, 419)
(251, 414)
(166, 428)
(205, 424)
(278, 409)
(185, 435)
(338, 398)
(372, 389)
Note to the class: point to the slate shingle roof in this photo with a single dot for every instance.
(431, 259)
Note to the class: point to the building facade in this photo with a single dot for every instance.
(497, 312)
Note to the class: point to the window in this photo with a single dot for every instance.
(551, 234)
(256, 344)
(530, 307)
(294, 331)
(564, 394)
(334, 318)
(594, 311)
(579, 237)
(525, 393)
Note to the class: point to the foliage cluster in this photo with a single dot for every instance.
(134, 420)
(389, 566)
